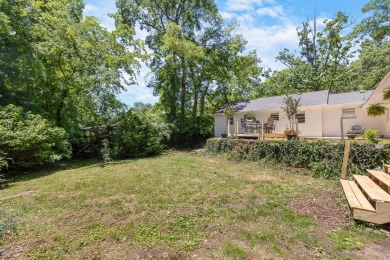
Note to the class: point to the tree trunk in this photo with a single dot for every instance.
(183, 89)
(60, 108)
(202, 99)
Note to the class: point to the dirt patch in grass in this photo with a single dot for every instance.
(215, 160)
(322, 205)
(262, 177)
(159, 253)
(374, 251)
(17, 195)
(15, 251)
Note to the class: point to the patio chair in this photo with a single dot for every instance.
(357, 129)
(270, 126)
(243, 124)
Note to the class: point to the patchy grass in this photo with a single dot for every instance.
(178, 205)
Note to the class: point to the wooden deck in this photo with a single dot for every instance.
(259, 136)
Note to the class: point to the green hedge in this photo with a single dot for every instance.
(30, 140)
(323, 158)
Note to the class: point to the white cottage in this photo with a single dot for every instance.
(319, 115)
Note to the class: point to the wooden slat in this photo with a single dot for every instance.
(355, 197)
(386, 168)
(350, 195)
(366, 205)
(373, 191)
(381, 176)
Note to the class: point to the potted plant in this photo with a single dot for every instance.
(288, 131)
(291, 110)
(351, 134)
(229, 113)
(251, 116)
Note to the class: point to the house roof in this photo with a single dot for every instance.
(377, 95)
(307, 99)
(350, 97)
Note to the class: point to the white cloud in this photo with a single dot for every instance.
(101, 11)
(267, 37)
(242, 5)
(268, 41)
(274, 11)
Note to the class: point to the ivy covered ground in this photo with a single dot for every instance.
(180, 205)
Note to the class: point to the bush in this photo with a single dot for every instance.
(137, 134)
(323, 158)
(30, 140)
(370, 135)
(3, 165)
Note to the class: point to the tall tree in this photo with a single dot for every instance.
(196, 56)
(78, 65)
(323, 55)
(374, 54)
(377, 24)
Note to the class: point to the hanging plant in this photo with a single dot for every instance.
(386, 94)
(376, 110)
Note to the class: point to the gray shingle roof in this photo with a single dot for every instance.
(350, 97)
(307, 99)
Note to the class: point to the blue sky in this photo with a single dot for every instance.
(269, 26)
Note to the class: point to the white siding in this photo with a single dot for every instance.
(331, 121)
(320, 121)
(219, 125)
(313, 122)
(386, 124)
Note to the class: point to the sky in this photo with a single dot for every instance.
(269, 26)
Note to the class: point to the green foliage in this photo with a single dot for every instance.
(29, 139)
(323, 56)
(376, 110)
(371, 136)
(251, 116)
(235, 251)
(230, 110)
(323, 158)
(291, 109)
(198, 62)
(353, 237)
(3, 165)
(372, 65)
(137, 134)
(377, 23)
(3, 181)
(66, 67)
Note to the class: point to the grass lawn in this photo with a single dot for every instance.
(180, 205)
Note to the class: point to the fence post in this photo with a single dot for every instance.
(228, 126)
(262, 129)
(236, 134)
(342, 128)
(344, 168)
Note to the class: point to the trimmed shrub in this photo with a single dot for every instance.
(323, 158)
(137, 134)
(30, 140)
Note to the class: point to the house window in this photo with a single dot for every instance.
(349, 113)
(230, 120)
(301, 117)
(274, 115)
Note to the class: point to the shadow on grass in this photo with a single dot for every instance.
(20, 175)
